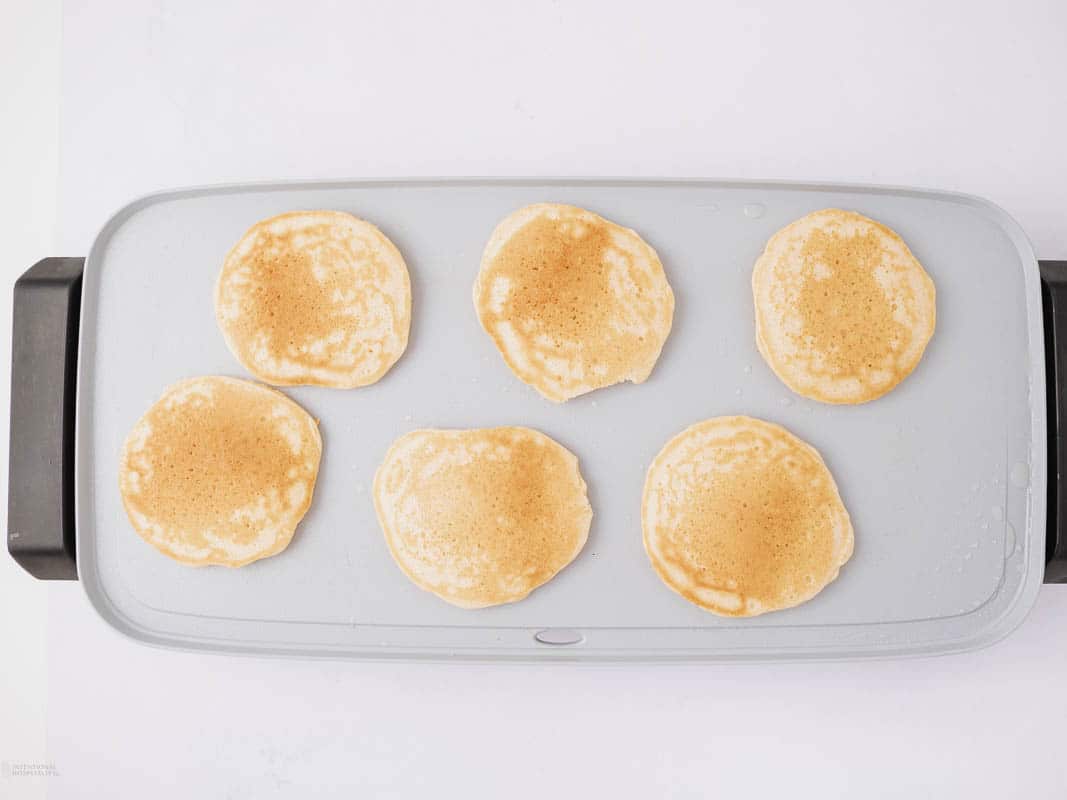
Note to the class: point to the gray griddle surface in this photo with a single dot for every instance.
(944, 477)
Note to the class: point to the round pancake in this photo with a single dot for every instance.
(843, 309)
(481, 517)
(220, 471)
(573, 302)
(741, 517)
(315, 297)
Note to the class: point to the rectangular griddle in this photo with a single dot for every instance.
(945, 477)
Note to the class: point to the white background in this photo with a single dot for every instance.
(964, 96)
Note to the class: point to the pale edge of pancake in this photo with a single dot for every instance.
(513, 354)
(725, 598)
(283, 532)
(767, 260)
(412, 440)
(320, 376)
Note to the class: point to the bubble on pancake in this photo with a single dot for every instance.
(572, 301)
(740, 517)
(315, 297)
(220, 471)
(844, 311)
(481, 517)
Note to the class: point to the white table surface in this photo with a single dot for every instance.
(961, 96)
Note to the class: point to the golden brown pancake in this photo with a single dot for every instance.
(481, 517)
(573, 302)
(844, 311)
(220, 471)
(315, 297)
(741, 517)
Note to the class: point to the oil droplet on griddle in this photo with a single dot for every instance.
(754, 210)
(1010, 540)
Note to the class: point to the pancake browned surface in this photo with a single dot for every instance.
(481, 517)
(220, 471)
(844, 311)
(315, 297)
(741, 517)
(573, 302)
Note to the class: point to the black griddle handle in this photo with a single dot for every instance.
(44, 360)
(1054, 300)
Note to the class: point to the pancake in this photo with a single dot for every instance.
(319, 298)
(844, 311)
(220, 471)
(741, 517)
(573, 302)
(481, 517)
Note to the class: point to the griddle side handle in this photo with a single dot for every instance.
(44, 360)
(1054, 299)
